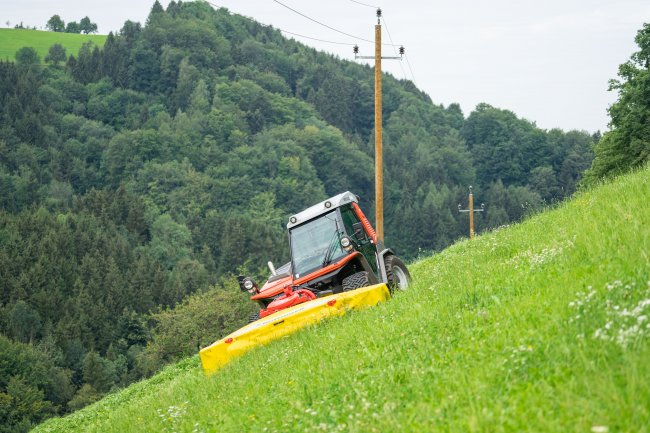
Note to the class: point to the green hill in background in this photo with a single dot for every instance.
(138, 178)
(11, 40)
(539, 326)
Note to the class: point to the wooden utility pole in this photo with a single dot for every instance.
(379, 163)
(471, 211)
(379, 168)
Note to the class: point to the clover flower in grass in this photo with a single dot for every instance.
(517, 358)
(625, 323)
(582, 303)
(535, 260)
(172, 415)
(613, 285)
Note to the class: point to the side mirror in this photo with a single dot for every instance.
(359, 233)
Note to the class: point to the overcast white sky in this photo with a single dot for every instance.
(548, 61)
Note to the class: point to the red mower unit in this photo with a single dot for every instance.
(333, 249)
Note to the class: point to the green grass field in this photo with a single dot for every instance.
(537, 327)
(11, 40)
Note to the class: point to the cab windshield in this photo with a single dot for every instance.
(316, 244)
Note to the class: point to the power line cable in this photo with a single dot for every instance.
(409, 65)
(297, 34)
(315, 39)
(212, 4)
(323, 24)
(320, 23)
(391, 41)
(364, 4)
(310, 37)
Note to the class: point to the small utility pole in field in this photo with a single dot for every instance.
(471, 211)
(379, 170)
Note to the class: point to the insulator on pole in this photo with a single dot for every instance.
(378, 13)
(355, 50)
(401, 50)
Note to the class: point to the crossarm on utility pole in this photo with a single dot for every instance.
(471, 211)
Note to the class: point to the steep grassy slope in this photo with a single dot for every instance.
(11, 40)
(541, 326)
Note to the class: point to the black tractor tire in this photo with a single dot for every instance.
(356, 281)
(254, 317)
(397, 274)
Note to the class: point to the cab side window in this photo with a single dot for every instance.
(353, 226)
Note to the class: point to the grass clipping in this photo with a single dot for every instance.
(541, 326)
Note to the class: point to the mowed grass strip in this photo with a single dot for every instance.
(540, 326)
(11, 40)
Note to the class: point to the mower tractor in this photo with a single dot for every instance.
(334, 249)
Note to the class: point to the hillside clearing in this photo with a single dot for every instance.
(11, 40)
(540, 326)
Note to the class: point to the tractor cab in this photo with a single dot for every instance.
(333, 249)
(326, 238)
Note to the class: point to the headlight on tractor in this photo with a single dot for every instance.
(247, 284)
(346, 243)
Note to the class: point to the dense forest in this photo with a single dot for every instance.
(136, 178)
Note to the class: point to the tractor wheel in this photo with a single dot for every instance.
(398, 275)
(254, 317)
(355, 281)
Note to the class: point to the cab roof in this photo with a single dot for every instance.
(321, 208)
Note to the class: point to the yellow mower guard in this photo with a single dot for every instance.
(286, 322)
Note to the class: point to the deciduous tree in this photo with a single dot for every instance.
(627, 144)
(55, 24)
(27, 57)
(55, 54)
(72, 27)
(87, 26)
